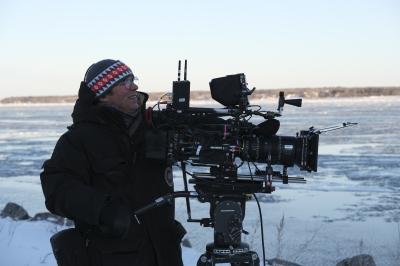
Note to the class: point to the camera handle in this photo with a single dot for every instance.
(282, 101)
(164, 200)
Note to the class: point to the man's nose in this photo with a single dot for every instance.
(134, 87)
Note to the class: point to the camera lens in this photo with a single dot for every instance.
(284, 150)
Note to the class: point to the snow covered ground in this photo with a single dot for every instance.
(351, 206)
(27, 243)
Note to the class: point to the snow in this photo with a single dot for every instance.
(27, 243)
(350, 206)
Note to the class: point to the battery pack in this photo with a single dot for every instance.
(181, 95)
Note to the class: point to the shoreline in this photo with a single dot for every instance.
(212, 102)
(260, 94)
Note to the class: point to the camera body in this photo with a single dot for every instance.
(217, 142)
(224, 138)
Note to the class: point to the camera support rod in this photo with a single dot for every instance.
(331, 128)
(189, 212)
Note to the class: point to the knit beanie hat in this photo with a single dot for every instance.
(102, 76)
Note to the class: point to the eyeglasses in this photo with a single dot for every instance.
(129, 81)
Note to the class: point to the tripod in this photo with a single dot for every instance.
(227, 197)
(227, 217)
(227, 210)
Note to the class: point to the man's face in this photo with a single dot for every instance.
(124, 96)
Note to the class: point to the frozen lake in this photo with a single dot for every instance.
(350, 206)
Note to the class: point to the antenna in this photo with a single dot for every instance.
(185, 70)
(179, 70)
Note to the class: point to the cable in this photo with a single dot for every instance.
(262, 227)
(249, 117)
(261, 219)
(255, 165)
(255, 105)
(187, 172)
(251, 174)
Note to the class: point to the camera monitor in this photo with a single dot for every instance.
(229, 90)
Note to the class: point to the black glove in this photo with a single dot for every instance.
(115, 220)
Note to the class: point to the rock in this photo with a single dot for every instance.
(14, 211)
(46, 216)
(17, 212)
(186, 243)
(359, 260)
(281, 262)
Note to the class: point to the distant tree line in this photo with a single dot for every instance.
(259, 94)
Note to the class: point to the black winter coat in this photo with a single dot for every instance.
(95, 161)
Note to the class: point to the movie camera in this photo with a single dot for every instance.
(223, 140)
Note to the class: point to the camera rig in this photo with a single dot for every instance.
(222, 140)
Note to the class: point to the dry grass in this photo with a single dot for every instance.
(279, 237)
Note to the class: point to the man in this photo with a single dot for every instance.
(99, 174)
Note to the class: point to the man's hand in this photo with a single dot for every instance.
(115, 220)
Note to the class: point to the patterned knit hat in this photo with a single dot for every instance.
(103, 75)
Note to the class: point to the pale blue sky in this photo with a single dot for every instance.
(46, 46)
